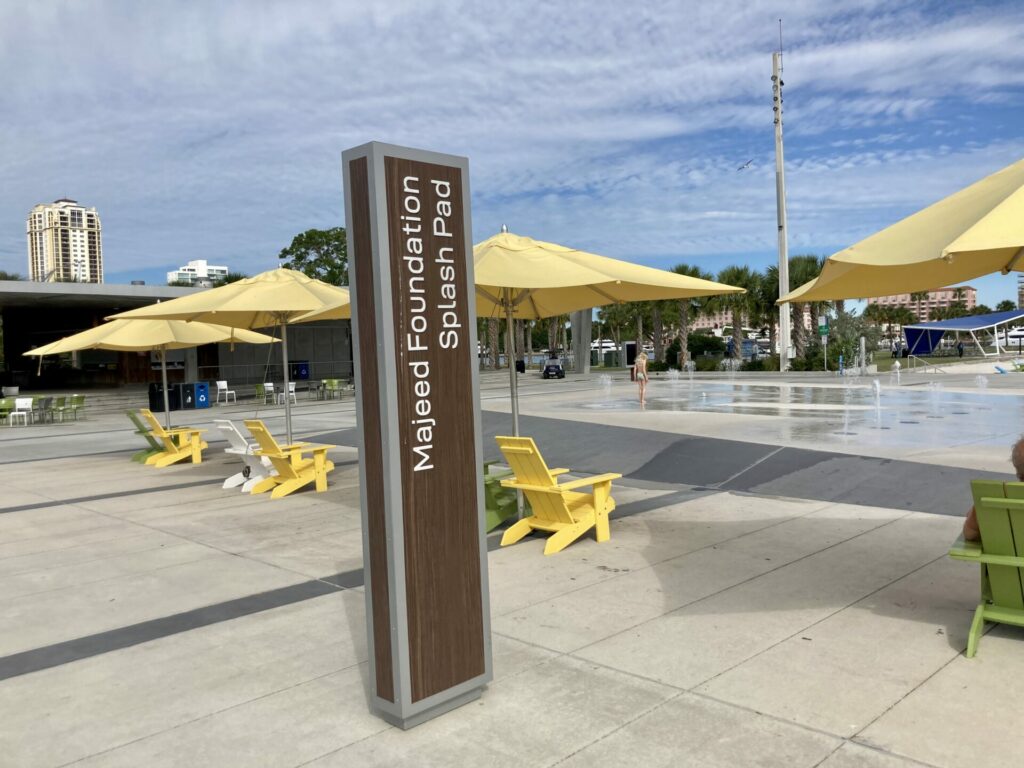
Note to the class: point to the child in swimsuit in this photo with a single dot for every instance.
(641, 376)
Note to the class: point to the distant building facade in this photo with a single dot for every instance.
(716, 321)
(198, 273)
(938, 299)
(1020, 291)
(64, 243)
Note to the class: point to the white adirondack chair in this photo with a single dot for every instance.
(256, 468)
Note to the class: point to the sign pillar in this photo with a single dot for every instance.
(420, 456)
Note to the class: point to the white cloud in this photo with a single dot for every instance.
(205, 130)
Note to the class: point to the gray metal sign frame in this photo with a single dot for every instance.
(403, 712)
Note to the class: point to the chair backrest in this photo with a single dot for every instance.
(262, 435)
(235, 438)
(260, 391)
(134, 418)
(524, 458)
(222, 386)
(45, 403)
(6, 404)
(23, 404)
(291, 387)
(1000, 511)
(152, 422)
(269, 387)
(60, 402)
(77, 401)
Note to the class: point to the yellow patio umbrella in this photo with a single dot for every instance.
(277, 297)
(523, 278)
(976, 231)
(143, 335)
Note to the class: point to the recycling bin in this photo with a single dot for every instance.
(202, 394)
(299, 370)
(156, 397)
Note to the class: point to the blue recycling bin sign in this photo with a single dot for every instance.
(202, 394)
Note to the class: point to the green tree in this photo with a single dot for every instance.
(917, 297)
(690, 309)
(231, 277)
(1005, 306)
(983, 309)
(319, 253)
(738, 304)
(5, 275)
(803, 269)
(179, 283)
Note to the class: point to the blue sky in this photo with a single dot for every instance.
(214, 130)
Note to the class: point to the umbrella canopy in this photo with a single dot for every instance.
(141, 335)
(269, 298)
(545, 279)
(974, 232)
(277, 297)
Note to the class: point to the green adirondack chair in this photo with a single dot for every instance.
(143, 430)
(499, 503)
(1000, 553)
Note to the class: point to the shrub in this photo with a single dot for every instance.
(707, 363)
(656, 366)
(704, 343)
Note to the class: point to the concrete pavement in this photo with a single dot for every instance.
(152, 618)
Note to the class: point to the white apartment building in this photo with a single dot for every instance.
(198, 273)
(64, 243)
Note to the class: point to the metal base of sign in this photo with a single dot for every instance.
(405, 723)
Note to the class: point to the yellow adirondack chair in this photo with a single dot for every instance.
(179, 443)
(560, 509)
(293, 469)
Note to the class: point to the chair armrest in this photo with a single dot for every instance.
(965, 550)
(556, 472)
(595, 480)
(513, 483)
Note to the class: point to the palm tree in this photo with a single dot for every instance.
(690, 308)
(917, 297)
(739, 304)
(1005, 306)
(803, 269)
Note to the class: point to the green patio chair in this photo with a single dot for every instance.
(499, 503)
(60, 406)
(1000, 554)
(77, 404)
(6, 406)
(143, 430)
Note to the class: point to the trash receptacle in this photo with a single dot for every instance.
(156, 397)
(611, 359)
(202, 390)
(186, 394)
(632, 373)
(299, 370)
(520, 366)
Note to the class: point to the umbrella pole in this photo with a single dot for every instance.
(163, 374)
(509, 358)
(287, 397)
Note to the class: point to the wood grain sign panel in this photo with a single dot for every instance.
(438, 443)
(362, 255)
(414, 311)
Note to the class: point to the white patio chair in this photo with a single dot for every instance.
(291, 394)
(268, 393)
(256, 469)
(22, 410)
(222, 389)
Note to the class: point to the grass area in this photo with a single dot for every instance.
(884, 361)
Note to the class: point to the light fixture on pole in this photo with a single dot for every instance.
(780, 204)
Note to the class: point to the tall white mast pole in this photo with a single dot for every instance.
(780, 203)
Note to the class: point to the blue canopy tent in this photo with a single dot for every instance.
(923, 338)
